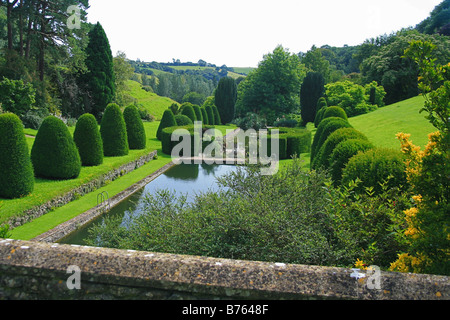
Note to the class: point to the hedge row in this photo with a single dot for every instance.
(292, 142)
(169, 133)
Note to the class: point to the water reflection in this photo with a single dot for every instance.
(186, 179)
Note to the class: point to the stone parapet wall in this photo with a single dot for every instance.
(37, 270)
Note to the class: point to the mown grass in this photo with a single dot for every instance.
(154, 104)
(382, 125)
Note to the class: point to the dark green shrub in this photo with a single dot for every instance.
(327, 126)
(198, 113)
(16, 173)
(286, 123)
(54, 153)
(168, 120)
(343, 152)
(183, 120)
(188, 111)
(137, 139)
(334, 112)
(319, 117)
(114, 132)
(210, 113)
(204, 116)
(168, 133)
(88, 140)
(322, 159)
(376, 166)
(217, 120)
(251, 121)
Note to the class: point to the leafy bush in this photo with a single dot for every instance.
(217, 120)
(54, 153)
(204, 116)
(137, 139)
(88, 140)
(16, 96)
(210, 113)
(322, 159)
(114, 132)
(198, 113)
(335, 112)
(33, 118)
(168, 120)
(342, 153)
(188, 111)
(286, 123)
(168, 133)
(326, 128)
(375, 166)
(251, 121)
(183, 120)
(319, 117)
(16, 173)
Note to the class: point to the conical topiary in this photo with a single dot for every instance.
(54, 153)
(137, 139)
(217, 120)
(168, 120)
(189, 112)
(204, 116)
(198, 113)
(114, 132)
(16, 170)
(210, 113)
(88, 140)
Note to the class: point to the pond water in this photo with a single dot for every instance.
(186, 179)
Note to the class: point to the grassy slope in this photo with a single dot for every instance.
(382, 125)
(150, 101)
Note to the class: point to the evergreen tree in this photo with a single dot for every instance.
(311, 91)
(88, 140)
(114, 132)
(137, 139)
(225, 99)
(100, 79)
(16, 170)
(168, 120)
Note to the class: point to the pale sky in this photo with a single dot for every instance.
(239, 33)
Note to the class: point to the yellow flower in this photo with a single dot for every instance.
(360, 265)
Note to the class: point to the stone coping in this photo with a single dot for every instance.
(212, 277)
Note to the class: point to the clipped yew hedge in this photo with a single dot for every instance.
(88, 140)
(114, 132)
(16, 170)
(168, 120)
(137, 139)
(292, 142)
(54, 153)
(168, 133)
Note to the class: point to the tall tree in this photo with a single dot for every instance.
(312, 90)
(99, 79)
(225, 99)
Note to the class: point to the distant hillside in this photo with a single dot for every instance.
(155, 104)
(382, 125)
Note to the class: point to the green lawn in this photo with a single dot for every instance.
(154, 104)
(382, 125)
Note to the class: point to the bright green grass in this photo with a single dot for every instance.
(73, 209)
(155, 105)
(382, 125)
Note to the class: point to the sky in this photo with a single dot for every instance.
(239, 33)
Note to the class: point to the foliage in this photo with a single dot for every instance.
(16, 96)
(88, 140)
(273, 88)
(16, 174)
(198, 113)
(374, 166)
(122, 73)
(54, 153)
(315, 62)
(114, 132)
(437, 21)
(204, 116)
(342, 154)
(137, 139)
(225, 99)
(188, 111)
(210, 113)
(99, 80)
(217, 119)
(334, 111)
(4, 231)
(194, 97)
(168, 120)
(183, 120)
(326, 127)
(311, 91)
(251, 121)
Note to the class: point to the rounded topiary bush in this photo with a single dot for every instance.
(210, 113)
(217, 119)
(88, 140)
(376, 166)
(137, 139)
(343, 152)
(168, 120)
(54, 153)
(334, 112)
(204, 116)
(189, 112)
(183, 120)
(114, 132)
(326, 128)
(322, 159)
(16, 170)
(198, 113)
